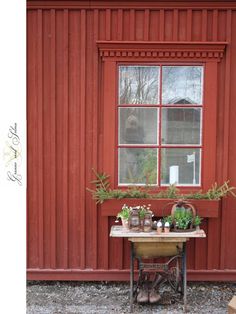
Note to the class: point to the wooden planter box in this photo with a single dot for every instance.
(204, 208)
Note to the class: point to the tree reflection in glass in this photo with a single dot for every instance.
(139, 85)
(182, 85)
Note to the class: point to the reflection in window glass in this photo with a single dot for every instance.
(138, 84)
(182, 84)
(181, 126)
(138, 126)
(180, 166)
(137, 166)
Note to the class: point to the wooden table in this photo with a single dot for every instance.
(150, 245)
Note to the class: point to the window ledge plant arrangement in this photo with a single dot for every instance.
(111, 200)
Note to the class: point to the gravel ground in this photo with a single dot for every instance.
(106, 298)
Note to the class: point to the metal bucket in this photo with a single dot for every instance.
(157, 249)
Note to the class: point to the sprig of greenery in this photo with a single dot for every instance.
(102, 185)
(217, 192)
(171, 192)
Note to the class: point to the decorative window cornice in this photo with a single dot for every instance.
(162, 51)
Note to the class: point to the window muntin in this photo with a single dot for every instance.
(168, 133)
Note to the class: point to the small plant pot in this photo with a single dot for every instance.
(159, 230)
(198, 229)
(141, 224)
(125, 223)
(166, 229)
(147, 228)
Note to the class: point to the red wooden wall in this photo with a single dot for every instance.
(67, 235)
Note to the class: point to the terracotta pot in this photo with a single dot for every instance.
(159, 230)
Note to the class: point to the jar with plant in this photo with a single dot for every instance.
(124, 215)
(143, 211)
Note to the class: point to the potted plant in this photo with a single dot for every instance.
(124, 215)
(197, 221)
(143, 211)
(168, 219)
(183, 220)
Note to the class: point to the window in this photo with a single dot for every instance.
(160, 124)
(170, 89)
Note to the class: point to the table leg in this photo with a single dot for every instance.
(184, 268)
(131, 275)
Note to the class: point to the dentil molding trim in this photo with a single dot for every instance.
(162, 50)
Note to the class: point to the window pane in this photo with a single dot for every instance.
(138, 85)
(180, 166)
(137, 166)
(182, 85)
(181, 126)
(138, 125)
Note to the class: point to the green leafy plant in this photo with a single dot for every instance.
(125, 212)
(197, 221)
(172, 191)
(137, 192)
(182, 219)
(168, 219)
(143, 210)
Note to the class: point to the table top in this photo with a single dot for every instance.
(120, 232)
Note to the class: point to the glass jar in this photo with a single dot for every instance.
(134, 220)
(147, 223)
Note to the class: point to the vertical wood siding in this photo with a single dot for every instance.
(66, 230)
